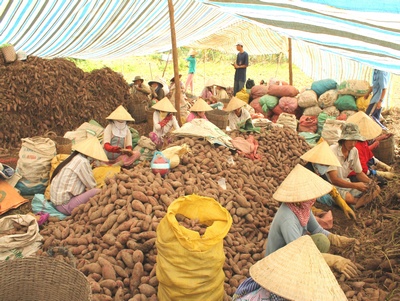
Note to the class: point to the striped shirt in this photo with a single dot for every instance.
(72, 180)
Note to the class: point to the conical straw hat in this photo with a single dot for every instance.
(192, 52)
(298, 272)
(164, 105)
(369, 129)
(91, 147)
(210, 82)
(235, 103)
(120, 114)
(200, 106)
(301, 185)
(321, 154)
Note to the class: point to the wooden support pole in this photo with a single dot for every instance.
(175, 61)
(290, 61)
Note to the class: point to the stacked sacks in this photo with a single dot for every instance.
(287, 100)
(256, 93)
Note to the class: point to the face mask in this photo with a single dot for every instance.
(321, 169)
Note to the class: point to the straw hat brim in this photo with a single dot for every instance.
(91, 147)
(156, 81)
(369, 129)
(301, 185)
(321, 154)
(164, 105)
(120, 114)
(138, 78)
(298, 272)
(210, 83)
(200, 106)
(235, 103)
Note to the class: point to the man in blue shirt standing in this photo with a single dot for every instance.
(380, 82)
(242, 61)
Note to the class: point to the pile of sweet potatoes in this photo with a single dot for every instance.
(113, 235)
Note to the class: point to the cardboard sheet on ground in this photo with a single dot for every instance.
(204, 128)
(9, 197)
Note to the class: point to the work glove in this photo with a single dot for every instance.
(341, 241)
(385, 174)
(342, 203)
(382, 165)
(112, 149)
(341, 265)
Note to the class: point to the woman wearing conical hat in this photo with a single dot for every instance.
(198, 110)
(296, 272)
(208, 91)
(72, 182)
(319, 158)
(221, 92)
(294, 218)
(238, 115)
(163, 121)
(372, 132)
(117, 140)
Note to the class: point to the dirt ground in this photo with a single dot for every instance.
(376, 227)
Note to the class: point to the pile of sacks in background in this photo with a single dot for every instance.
(316, 112)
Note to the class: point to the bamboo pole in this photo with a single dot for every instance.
(166, 64)
(175, 61)
(290, 61)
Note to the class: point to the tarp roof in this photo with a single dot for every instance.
(339, 39)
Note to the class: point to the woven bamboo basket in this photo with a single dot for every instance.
(218, 117)
(9, 54)
(42, 278)
(63, 145)
(385, 150)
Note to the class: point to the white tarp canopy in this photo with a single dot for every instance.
(330, 39)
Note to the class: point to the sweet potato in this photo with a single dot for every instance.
(120, 271)
(101, 297)
(127, 259)
(108, 272)
(138, 195)
(147, 289)
(107, 210)
(108, 283)
(123, 237)
(138, 256)
(138, 206)
(111, 219)
(91, 268)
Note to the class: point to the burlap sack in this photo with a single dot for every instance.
(307, 98)
(25, 243)
(328, 98)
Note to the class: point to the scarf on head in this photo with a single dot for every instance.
(302, 210)
(165, 120)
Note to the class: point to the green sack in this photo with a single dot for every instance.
(269, 100)
(346, 102)
(322, 117)
(249, 127)
(311, 138)
(135, 136)
(323, 85)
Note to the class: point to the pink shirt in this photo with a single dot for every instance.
(192, 116)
